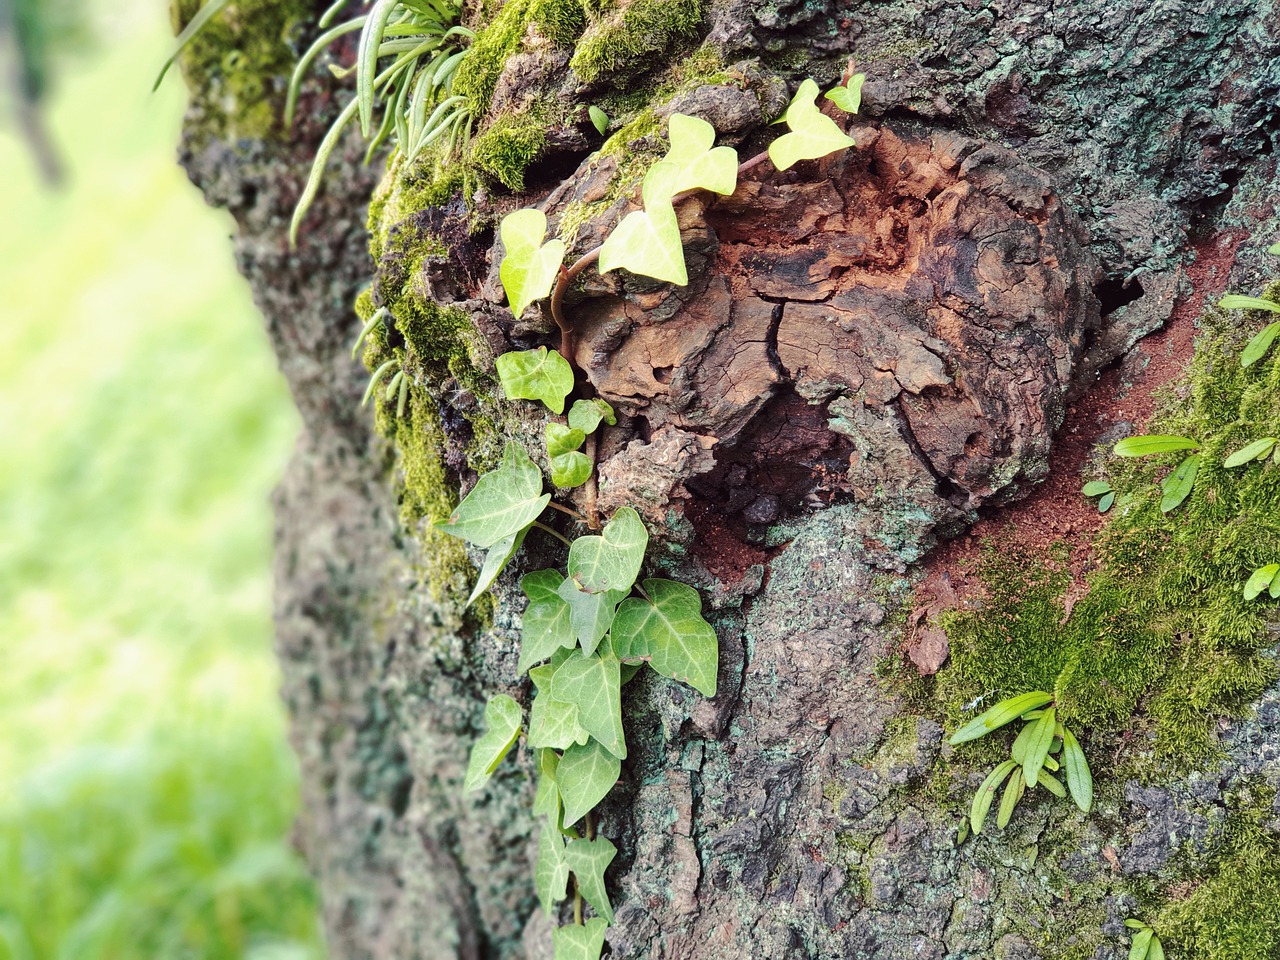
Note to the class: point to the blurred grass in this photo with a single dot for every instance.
(146, 788)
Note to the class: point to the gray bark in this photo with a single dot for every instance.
(1064, 151)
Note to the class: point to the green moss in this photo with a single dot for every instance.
(507, 148)
(1233, 911)
(560, 21)
(627, 38)
(1163, 625)
(235, 61)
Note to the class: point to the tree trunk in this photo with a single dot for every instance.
(872, 350)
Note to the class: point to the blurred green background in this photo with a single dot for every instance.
(146, 786)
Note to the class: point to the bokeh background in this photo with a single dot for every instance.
(146, 785)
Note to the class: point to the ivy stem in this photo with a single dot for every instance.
(554, 532)
(577, 902)
(591, 826)
(567, 511)
(592, 492)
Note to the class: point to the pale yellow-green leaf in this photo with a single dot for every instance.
(812, 133)
(647, 242)
(529, 267)
(502, 718)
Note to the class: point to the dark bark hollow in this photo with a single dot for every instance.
(870, 348)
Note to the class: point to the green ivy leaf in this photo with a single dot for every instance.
(583, 942)
(503, 502)
(599, 119)
(986, 793)
(588, 859)
(1013, 792)
(698, 164)
(1145, 446)
(594, 684)
(570, 470)
(547, 624)
(1003, 712)
(848, 97)
(1258, 450)
(1257, 348)
(546, 802)
(813, 134)
(585, 415)
(539, 374)
(586, 775)
(1261, 579)
(590, 613)
(551, 875)
(1079, 777)
(1038, 746)
(610, 561)
(1179, 484)
(562, 439)
(669, 631)
(529, 267)
(502, 718)
(553, 723)
(647, 242)
(494, 562)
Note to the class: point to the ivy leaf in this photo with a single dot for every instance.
(1003, 712)
(503, 502)
(570, 470)
(1013, 792)
(551, 876)
(546, 802)
(1037, 746)
(1145, 446)
(698, 163)
(547, 624)
(1257, 450)
(647, 242)
(539, 374)
(610, 561)
(594, 684)
(586, 775)
(580, 942)
(494, 561)
(986, 793)
(1256, 348)
(590, 613)
(1261, 579)
(1179, 484)
(669, 631)
(1079, 778)
(813, 134)
(848, 97)
(588, 859)
(585, 415)
(599, 119)
(529, 267)
(553, 723)
(502, 717)
(562, 439)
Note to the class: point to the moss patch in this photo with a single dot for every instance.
(506, 149)
(242, 56)
(625, 39)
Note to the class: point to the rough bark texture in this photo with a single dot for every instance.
(870, 349)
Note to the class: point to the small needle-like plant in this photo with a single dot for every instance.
(1033, 758)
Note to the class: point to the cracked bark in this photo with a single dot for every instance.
(870, 349)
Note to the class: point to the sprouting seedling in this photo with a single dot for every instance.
(1257, 347)
(1033, 757)
(1264, 578)
(812, 133)
(1177, 486)
(1101, 489)
(599, 119)
(1145, 945)
(1257, 450)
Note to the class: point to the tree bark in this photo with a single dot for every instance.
(872, 349)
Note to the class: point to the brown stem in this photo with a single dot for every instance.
(592, 491)
(567, 511)
(591, 826)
